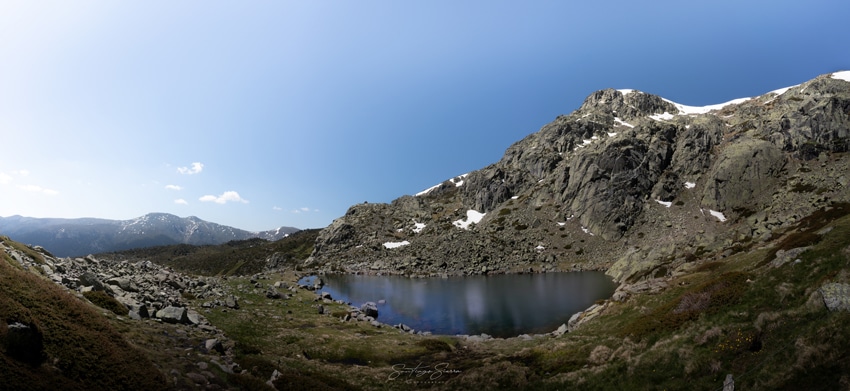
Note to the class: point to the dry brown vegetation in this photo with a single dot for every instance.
(81, 350)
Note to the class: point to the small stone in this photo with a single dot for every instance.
(213, 345)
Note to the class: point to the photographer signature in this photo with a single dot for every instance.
(420, 370)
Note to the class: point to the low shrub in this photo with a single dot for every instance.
(707, 298)
(103, 300)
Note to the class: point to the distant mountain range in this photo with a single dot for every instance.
(74, 237)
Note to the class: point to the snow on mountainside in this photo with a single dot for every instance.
(67, 237)
(683, 110)
(622, 183)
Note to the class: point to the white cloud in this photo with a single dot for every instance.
(173, 187)
(22, 172)
(38, 189)
(5, 178)
(181, 201)
(196, 168)
(277, 208)
(304, 210)
(224, 198)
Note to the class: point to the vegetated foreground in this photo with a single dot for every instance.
(758, 314)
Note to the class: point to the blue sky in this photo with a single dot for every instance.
(260, 114)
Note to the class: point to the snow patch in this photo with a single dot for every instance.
(514, 197)
(587, 231)
(624, 123)
(717, 214)
(626, 91)
(418, 227)
(472, 216)
(562, 224)
(458, 182)
(612, 134)
(690, 185)
(396, 244)
(685, 110)
(665, 203)
(843, 75)
(781, 90)
(661, 117)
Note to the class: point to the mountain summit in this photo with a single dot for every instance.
(630, 183)
(69, 237)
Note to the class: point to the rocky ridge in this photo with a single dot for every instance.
(629, 183)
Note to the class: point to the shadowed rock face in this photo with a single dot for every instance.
(24, 342)
(628, 176)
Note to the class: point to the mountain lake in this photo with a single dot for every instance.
(504, 305)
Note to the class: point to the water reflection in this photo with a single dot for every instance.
(499, 305)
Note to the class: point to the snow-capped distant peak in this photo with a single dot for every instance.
(626, 91)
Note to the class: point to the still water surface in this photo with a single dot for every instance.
(498, 305)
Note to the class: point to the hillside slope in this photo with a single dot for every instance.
(630, 183)
(50, 339)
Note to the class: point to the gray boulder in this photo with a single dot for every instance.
(836, 296)
(124, 283)
(231, 302)
(214, 345)
(172, 314)
(90, 279)
(369, 308)
(272, 293)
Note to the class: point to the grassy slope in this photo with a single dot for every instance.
(81, 349)
(238, 257)
(767, 326)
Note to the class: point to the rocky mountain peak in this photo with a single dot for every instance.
(628, 176)
(625, 104)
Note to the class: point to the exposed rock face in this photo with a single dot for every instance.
(836, 296)
(626, 183)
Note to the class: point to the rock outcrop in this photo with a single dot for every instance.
(630, 182)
